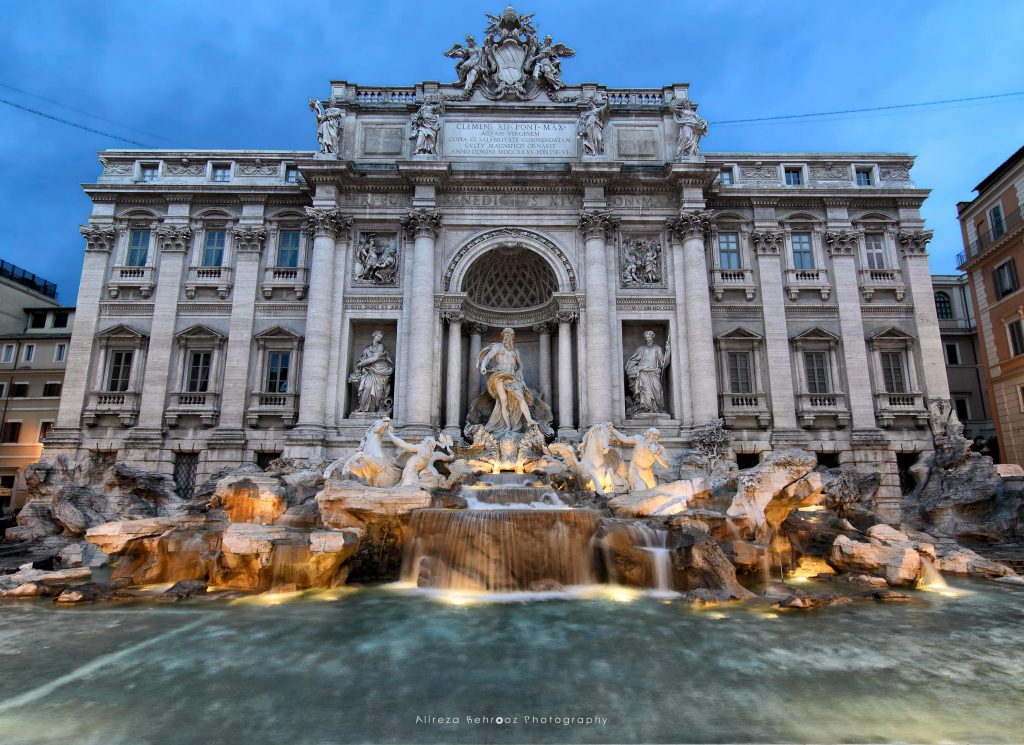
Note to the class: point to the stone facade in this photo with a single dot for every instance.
(793, 288)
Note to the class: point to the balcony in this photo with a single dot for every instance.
(288, 278)
(1012, 223)
(736, 406)
(206, 406)
(873, 280)
(733, 279)
(815, 280)
(888, 406)
(122, 404)
(283, 405)
(217, 278)
(141, 277)
(810, 406)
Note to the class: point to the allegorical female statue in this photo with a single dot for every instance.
(590, 126)
(373, 374)
(692, 127)
(328, 127)
(644, 371)
(425, 125)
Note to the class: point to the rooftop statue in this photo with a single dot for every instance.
(692, 127)
(328, 127)
(591, 124)
(425, 124)
(512, 62)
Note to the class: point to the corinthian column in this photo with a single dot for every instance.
(476, 331)
(327, 226)
(174, 242)
(544, 358)
(565, 396)
(915, 254)
(767, 245)
(248, 247)
(597, 226)
(99, 242)
(453, 395)
(692, 226)
(422, 224)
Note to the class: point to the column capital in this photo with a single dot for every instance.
(249, 238)
(422, 221)
(692, 223)
(328, 221)
(477, 329)
(453, 316)
(915, 242)
(174, 238)
(842, 242)
(767, 242)
(566, 315)
(545, 327)
(98, 238)
(597, 224)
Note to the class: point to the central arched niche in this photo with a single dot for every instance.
(510, 278)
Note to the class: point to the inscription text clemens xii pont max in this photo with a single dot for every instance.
(510, 139)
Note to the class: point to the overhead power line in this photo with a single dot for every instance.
(87, 113)
(73, 124)
(872, 108)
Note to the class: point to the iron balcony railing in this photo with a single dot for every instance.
(27, 279)
(990, 237)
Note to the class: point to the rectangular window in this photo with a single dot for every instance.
(725, 177)
(51, 390)
(60, 352)
(277, 372)
(996, 223)
(120, 372)
(1005, 278)
(288, 249)
(893, 373)
(186, 465)
(28, 353)
(37, 320)
(963, 408)
(3, 390)
(1015, 329)
(952, 354)
(803, 254)
(794, 176)
(874, 250)
(60, 319)
(138, 248)
(729, 250)
(291, 175)
(19, 390)
(863, 177)
(739, 372)
(816, 367)
(213, 249)
(220, 172)
(44, 430)
(149, 172)
(11, 432)
(8, 353)
(198, 372)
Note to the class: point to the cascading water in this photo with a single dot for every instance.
(500, 550)
(651, 542)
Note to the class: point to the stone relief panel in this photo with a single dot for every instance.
(376, 260)
(641, 262)
(829, 171)
(185, 168)
(381, 140)
(637, 143)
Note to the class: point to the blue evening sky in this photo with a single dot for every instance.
(231, 74)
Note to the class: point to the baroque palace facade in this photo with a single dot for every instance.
(240, 305)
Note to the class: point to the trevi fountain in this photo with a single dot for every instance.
(515, 578)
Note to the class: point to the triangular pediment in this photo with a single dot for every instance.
(741, 334)
(890, 333)
(815, 334)
(121, 331)
(200, 331)
(277, 332)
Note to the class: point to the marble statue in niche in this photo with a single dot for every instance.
(372, 375)
(692, 127)
(641, 263)
(645, 371)
(376, 260)
(426, 123)
(328, 127)
(591, 124)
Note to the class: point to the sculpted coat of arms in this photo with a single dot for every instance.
(512, 62)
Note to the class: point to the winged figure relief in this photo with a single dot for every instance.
(544, 63)
(474, 62)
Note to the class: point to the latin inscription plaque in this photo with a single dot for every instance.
(510, 139)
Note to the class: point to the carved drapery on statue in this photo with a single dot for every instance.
(512, 62)
(426, 123)
(376, 260)
(372, 376)
(645, 369)
(328, 127)
(508, 405)
(692, 127)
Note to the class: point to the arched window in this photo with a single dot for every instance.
(943, 306)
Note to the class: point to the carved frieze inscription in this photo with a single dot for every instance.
(525, 139)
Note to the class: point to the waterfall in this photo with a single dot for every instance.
(653, 541)
(500, 550)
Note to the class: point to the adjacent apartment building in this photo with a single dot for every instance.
(958, 329)
(993, 234)
(35, 332)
